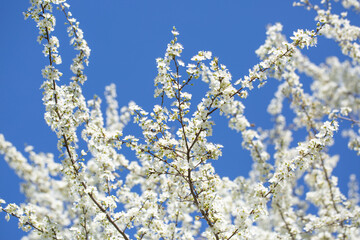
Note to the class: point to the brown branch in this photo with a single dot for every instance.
(31, 224)
(195, 197)
(180, 111)
(286, 223)
(67, 146)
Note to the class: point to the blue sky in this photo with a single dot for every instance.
(125, 38)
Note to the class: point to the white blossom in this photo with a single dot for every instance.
(168, 188)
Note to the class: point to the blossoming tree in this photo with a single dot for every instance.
(94, 193)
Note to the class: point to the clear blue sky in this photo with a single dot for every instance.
(125, 38)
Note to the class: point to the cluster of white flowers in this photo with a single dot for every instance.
(351, 3)
(170, 190)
